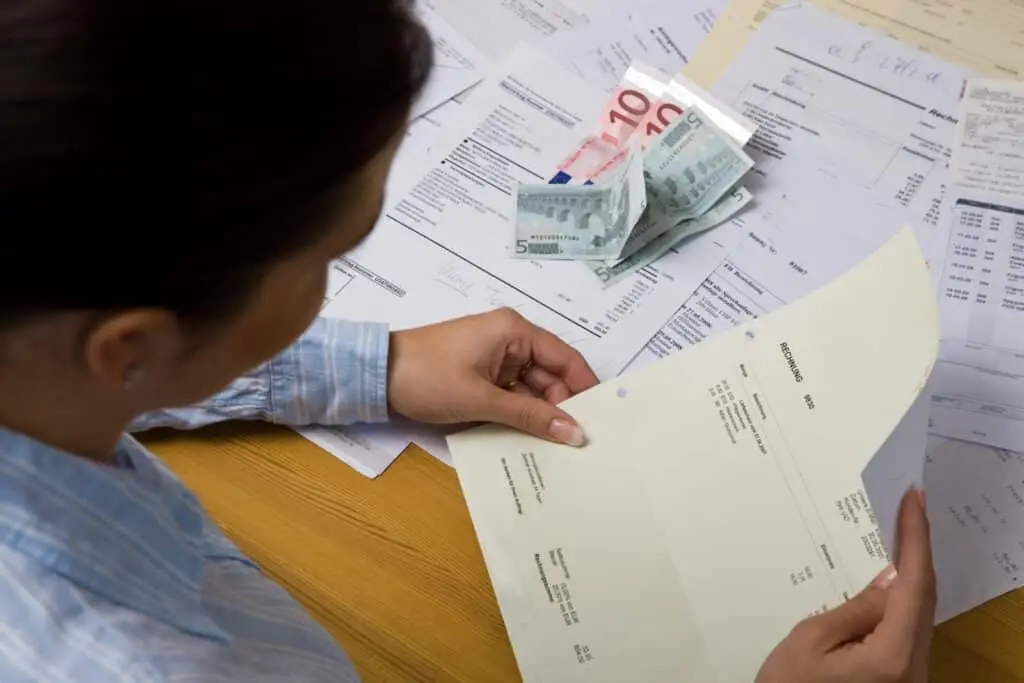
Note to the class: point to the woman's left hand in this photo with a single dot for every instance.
(492, 367)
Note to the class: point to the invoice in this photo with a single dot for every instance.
(980, 384)
(785, 252)
(662, 33)
(496, 26)
(948, 29)
(719, 499)
(458, 64)
(834, 100)
(440, 250)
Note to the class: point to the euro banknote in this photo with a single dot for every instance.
(681, 95)
(606, 146)
(644, 104)
(726, 209)
(581, 222)
(687, 170)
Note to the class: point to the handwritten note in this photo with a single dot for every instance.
(869, 52)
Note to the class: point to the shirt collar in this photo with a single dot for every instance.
(130, 533)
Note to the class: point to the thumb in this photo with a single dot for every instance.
(532, 415)
(857, 617)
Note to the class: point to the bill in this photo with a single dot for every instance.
(681, 95)
(687, 170)
(581, 222)
(641, 86)
(611, 274)
(606, 147)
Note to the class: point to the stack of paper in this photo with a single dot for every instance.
(457, 170)
(851, 113)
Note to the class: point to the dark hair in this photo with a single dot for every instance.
(167, 152)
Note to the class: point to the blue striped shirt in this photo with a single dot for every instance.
(115, 574)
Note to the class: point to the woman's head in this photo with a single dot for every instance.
(175, 175)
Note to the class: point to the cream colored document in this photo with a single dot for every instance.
(984, 35)
(719, 499)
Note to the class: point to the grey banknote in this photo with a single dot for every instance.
(727, 207)
(581, 222)
(687, 169)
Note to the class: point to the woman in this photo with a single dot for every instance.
(248, 144)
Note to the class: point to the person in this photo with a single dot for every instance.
(248, 144)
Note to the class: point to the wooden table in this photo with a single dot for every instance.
(392, 569)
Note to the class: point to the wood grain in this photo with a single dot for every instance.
(392, 569)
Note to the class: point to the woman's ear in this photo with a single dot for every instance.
(123, 349)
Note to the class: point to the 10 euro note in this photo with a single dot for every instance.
(610, 274)
(580, 222)
(680, 96)
(687, 170)
(607, 145)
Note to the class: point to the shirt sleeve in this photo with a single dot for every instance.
(335, 374)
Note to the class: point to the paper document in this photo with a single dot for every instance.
(454, 225)
(831, 126)
(980, 382)
(976, 509)
(496, 26)
(785, 252)
(662, 33)
(948, 29)
(975, 506)
(719, 499)
(441, 249)
(458, 64)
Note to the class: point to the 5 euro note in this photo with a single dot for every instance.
(580, 222)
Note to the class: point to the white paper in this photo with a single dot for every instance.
(976, 509)
(898, 466)
(743, 288)
(458, 64)
(662, 33)
(360, 451)
(837, 100)
(785, 252)
(497, 26)
(719, 499)
(980, 380)
(930, 226)
(442, 250)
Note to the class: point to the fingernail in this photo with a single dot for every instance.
(885, 579)
(915, 495)
(566, 432)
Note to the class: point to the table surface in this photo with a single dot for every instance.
(392, 569)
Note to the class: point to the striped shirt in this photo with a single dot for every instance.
(115, 574)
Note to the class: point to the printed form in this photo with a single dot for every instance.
(839, 104)
(441, 249)
(975, 506)
(662, 33)
(719, 499)
(458, 64)
(973, 489)
(948, 29)
(805, 76)
(980, 383)
(497, 26)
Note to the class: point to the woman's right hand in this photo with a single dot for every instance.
(883, 635)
